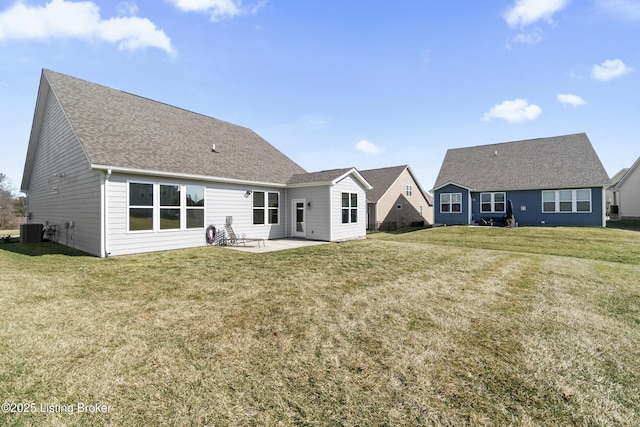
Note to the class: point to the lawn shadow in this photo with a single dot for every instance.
(629, 225)
(40, 249)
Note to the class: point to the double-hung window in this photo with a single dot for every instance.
(169, 207)
(492, 202)
(349, 208)
(155, 207)
(266, 207)
(140, 206)
(409, 190)
(195, 206)
(451, 202)
(559, 201)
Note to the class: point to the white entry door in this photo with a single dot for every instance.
(298, 215)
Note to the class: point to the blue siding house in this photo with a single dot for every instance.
(556, 181)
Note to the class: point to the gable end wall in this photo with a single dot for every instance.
(630, 196)
(397, 194)
(63, 190)
(357, 230)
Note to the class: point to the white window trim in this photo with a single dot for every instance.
(159, 207)
(451, 204)
(266, 207)
(574, 201)
(350, 208)
(409, 190)
(156, 207)
(183, 205)
(493, 202)
(152, 207)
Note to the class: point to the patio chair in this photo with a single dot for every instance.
(234, 240)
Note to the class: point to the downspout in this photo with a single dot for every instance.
(26, 207)
(604, 206)
(469, 207)
(105, 213)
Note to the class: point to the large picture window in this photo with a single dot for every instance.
(266, 207)
(154, 207)
(492, 202)
(571, 201)
(140, 206)
(451, 202)
(349, 208)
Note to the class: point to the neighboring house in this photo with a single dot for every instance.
(549, 181)
(613, 196)
(396, 199)
(625, 193)
(112, 173)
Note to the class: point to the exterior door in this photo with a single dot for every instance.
(299, 218)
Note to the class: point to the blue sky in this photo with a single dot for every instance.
(337, 84)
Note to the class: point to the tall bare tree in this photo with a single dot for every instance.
(7, 208)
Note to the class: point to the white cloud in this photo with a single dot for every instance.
(628, 9)
(569, 99)
(367, 147)
(532, 37)
(610, 69)
(525, 12)
(217, 9)
(67, 19)
(127, 8)
(515, 111)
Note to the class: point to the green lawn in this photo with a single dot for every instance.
(443, 326)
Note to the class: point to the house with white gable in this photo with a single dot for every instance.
(112, 173)
(625, 193)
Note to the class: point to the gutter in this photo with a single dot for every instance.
(164, 174)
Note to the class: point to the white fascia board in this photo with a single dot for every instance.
(630, 172)
(452, 183)
(358, 177)
(311, 184)
(164, 174)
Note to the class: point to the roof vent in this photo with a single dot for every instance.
(213, 148)
(495, 153)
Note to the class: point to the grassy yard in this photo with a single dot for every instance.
(445, 326)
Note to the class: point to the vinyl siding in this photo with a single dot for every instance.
(340, 231)
(318, 215)
(410, 211)
(221, 200)
(63, 190)
(451, 218)
(630, 196)
(527, 210)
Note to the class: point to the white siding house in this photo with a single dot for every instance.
(333, 205)
(626, 194)
(111, 173)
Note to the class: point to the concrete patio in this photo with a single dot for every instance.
(275, 245)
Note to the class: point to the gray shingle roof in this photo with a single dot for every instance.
(615, 179)
(318, 177)
(122, 130)
(567, 161)
(381, 179)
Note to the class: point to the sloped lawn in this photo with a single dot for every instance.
(451, 326)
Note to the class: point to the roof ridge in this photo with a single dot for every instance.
(520, 141)
(155, 101)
